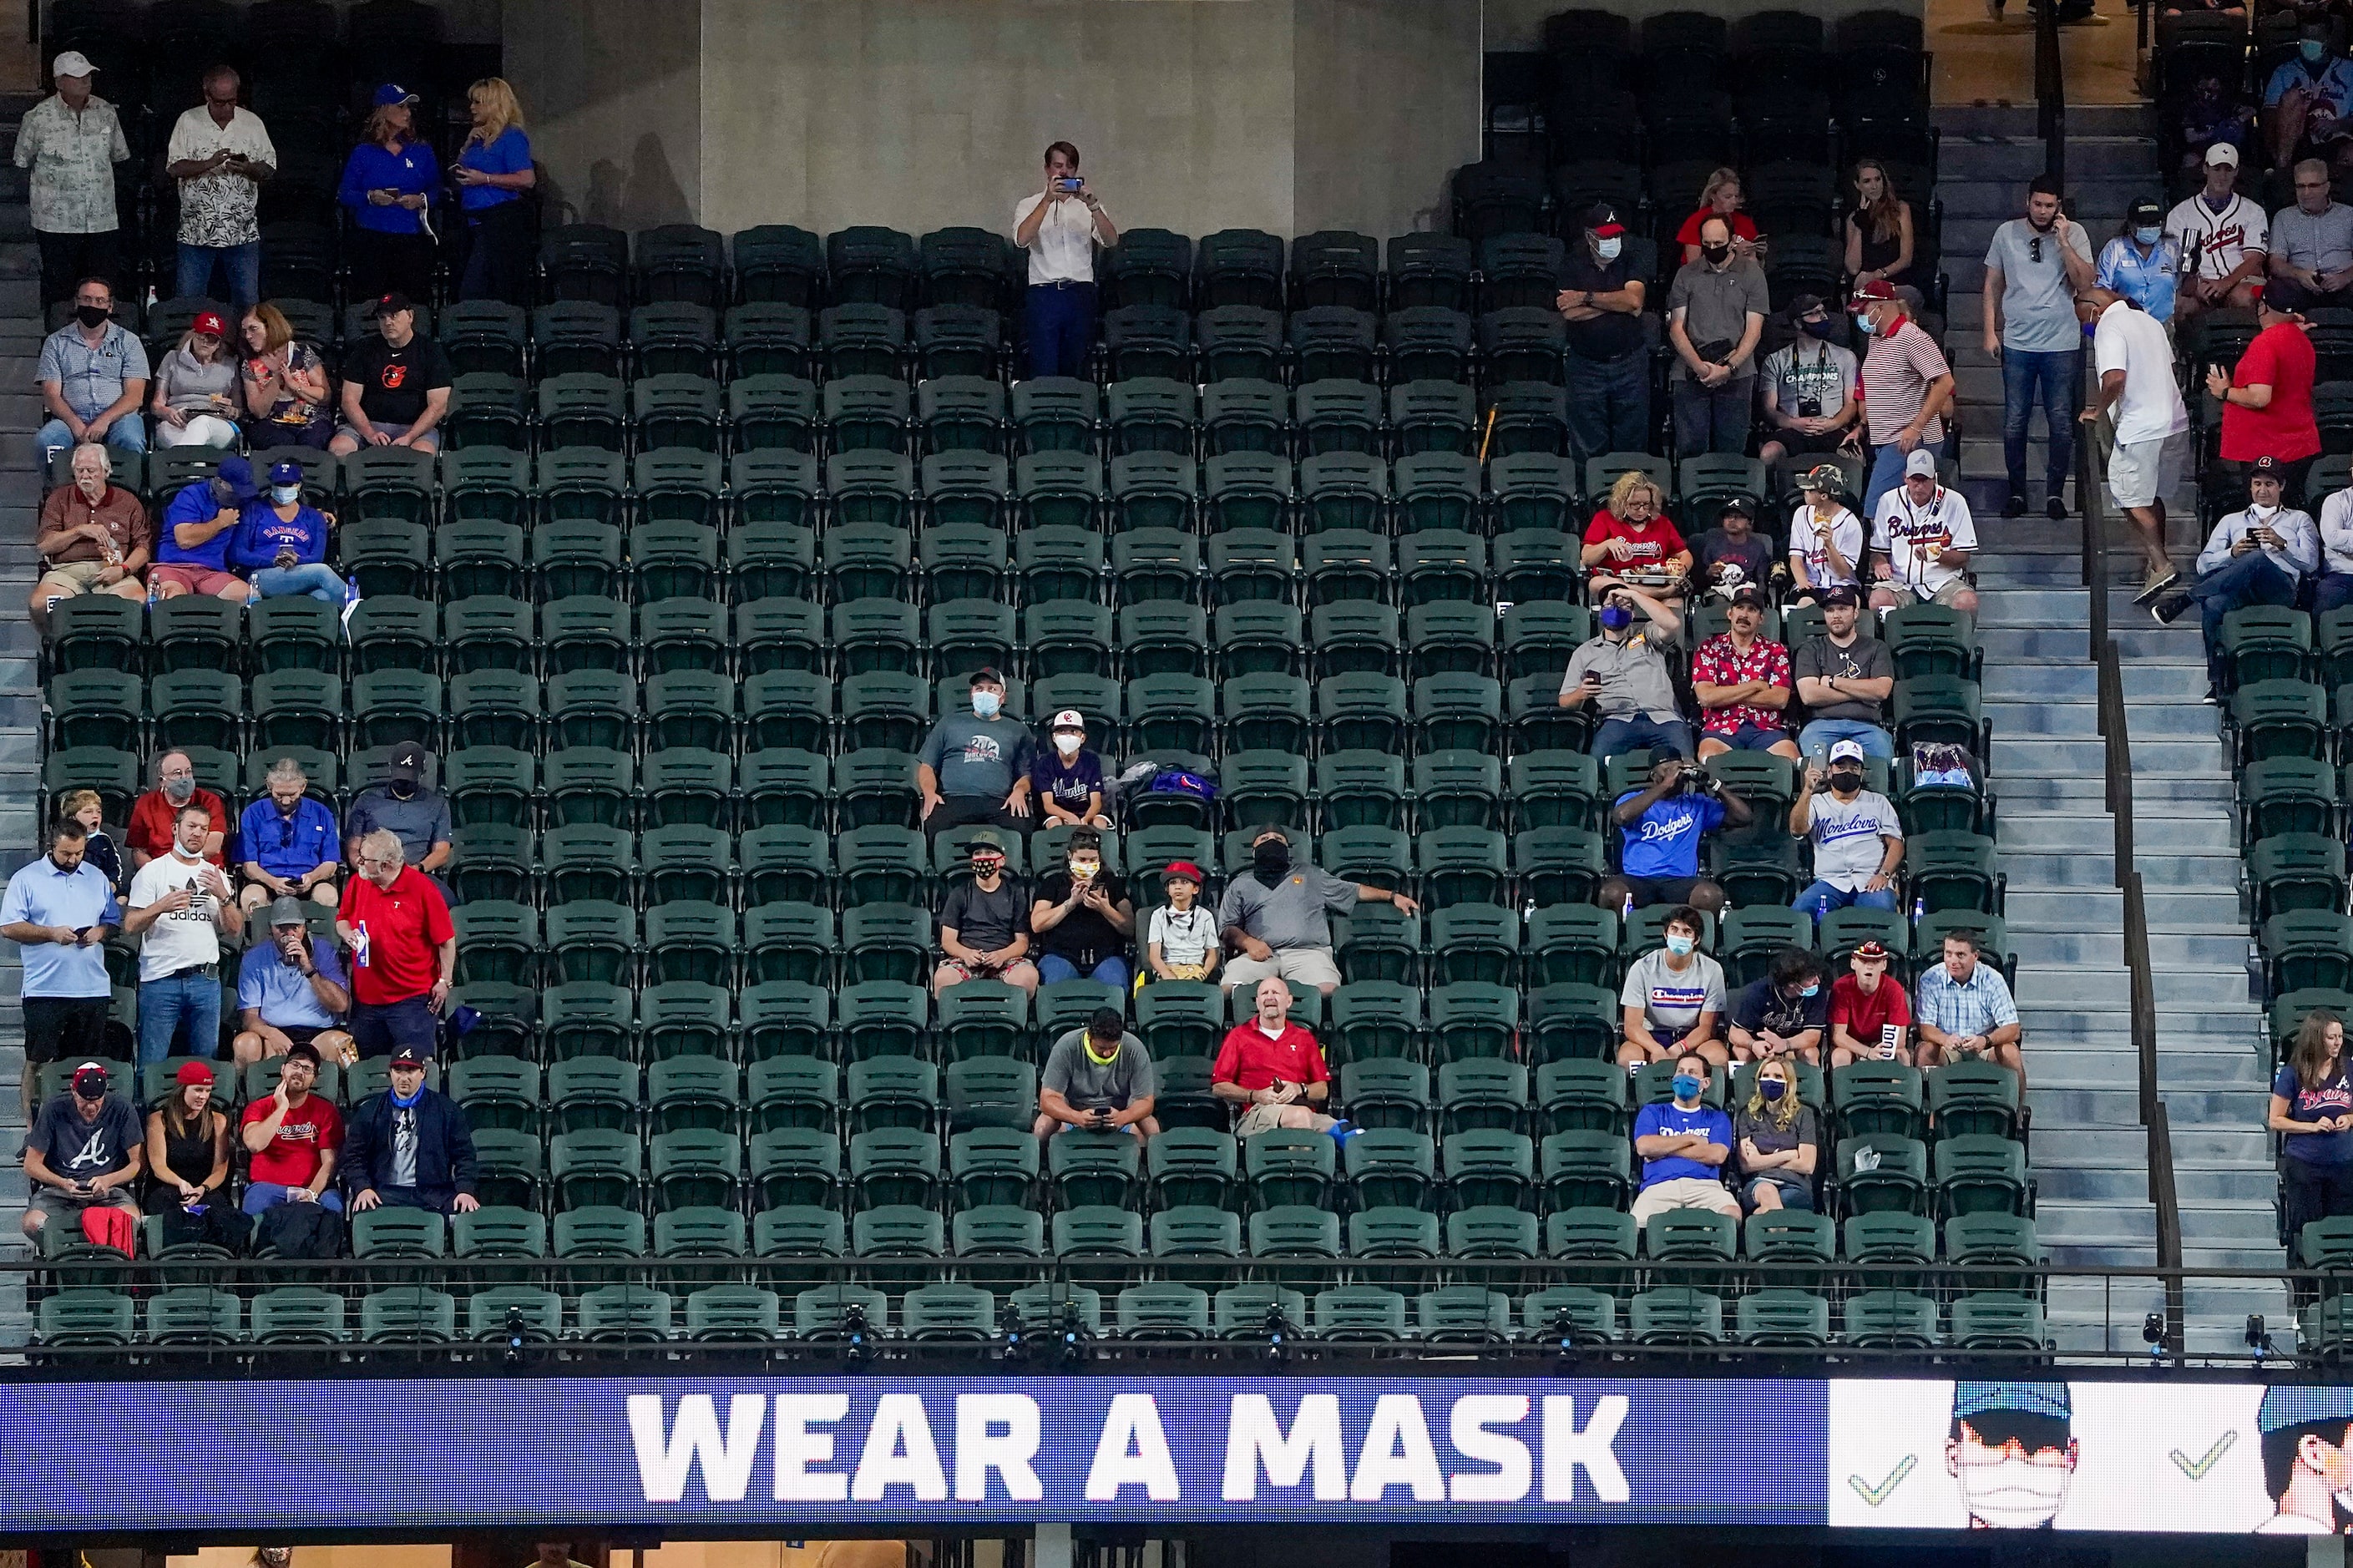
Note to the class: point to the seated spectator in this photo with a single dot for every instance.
(290, 991)
(183, 904)
(1660, 828)
(94, 537)
(2308, 98)
(1067, 778)
(390, 180)
(1082, 919)
(1845, 677)
(1785, 1013)
(1741, 681)
(1633, 541)
(1674, 999)
(280, 544)
(199, 523)
(294, 1137)
(1732, 554)
(1623, 673)
(2311, 1111)
(1870, 1015)
(1878, 227)
(984, 924)
(1806, 388)
(2226, 232)
(1720, 197)
(196, 402)
(2213, 116)
(83, 1154)
(396, 385)
(150, 831)
(1098, 1078)
(2142, 263)
(1182, 940)
(88, 809)
(1683, 1144)
(285, 385)
(1858, 839)
(290, 847)
(2334, 588)
(93, 378)
(410, 1147)
(1965, 1013)
(1780, 1143)
(1921, 539)
(975, 767)
(2256, 556)
(2312, 240)
(1274, 916)
(403, 804)
(1825, 538)
(188, 1145)
(1275, 1070)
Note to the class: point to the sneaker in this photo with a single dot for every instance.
(2157, 582)
(2015, 506)
(2055, 509)
(2168, 610)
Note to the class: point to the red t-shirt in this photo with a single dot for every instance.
(1865, 1017)
(1251, 1059)
(1655, 544)
(293, 1157)
(150, 828)
(1742, 226)
(2281, 358)
(396, 933)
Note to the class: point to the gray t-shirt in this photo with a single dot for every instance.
(1071, 1074)
(2321, 242)
(1772, 1139)
(1673, 1000)
(1634, 677)
(1865, 659)
(987, 921)
(85, 1150)
(978, 757)
(2038, 303)
(1846, 836)
(1291, 913)
(1717, 307)
(419, 822)
(1809, 369)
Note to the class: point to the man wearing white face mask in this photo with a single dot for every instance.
(1609, 355)
(975, 767)
(1068, 777)
(2013, 1452)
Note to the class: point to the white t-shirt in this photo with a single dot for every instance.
(2224, 238)
(1062, 250)
(1846, 533)
(1903, 531)
(1183, 938)
(2336, 534)
(2133, 341)
(185, 936)
(1846, 836)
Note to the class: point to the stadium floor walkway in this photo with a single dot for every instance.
(1981, 59)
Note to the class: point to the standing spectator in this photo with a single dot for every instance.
(1806, 388)
(59, 910)
(1661, 826)
(2267, 397)
(94, 537)
(395, 385)
(2143, 263)
(2258, 556)
(2222, 233)
(1921, 539)
(2133, 359)
(1845, 677)
(1182, 940)
(2312, 241)
(285, 384)
(2333, 590)
(404, 805)
(198, 400)
(290, 991)
(2308, 95)
(1673, 998)
(280, 544)
(1082, 919)
(1732, 555)
(984, 924)
(220, 153)
(1878, 228)
(291, 849)
(83, 1154)
(150, 832)
(1741, 681)
(1274, 916)
(1274, 1068)
(2212, 115)
(1721, 198)
(199, 522)
(387, 186)
(295, 1138)
(1965, 1013)
(411, 1147)
(93, 376)
(188, 1145)
(1715, 312)
(2033, 270)
(1068, 777)
(184, 902)
(1060, 227)
(1906, 387)
(1858, 839)
(493, 172)
(1099, 1079)
(71, 143)
(1632, 541)
(1609, 365)
(2312, 1111)
(403, 951)
(1683, 1144)
(1785, 1013)
(1870, 1015)
(85, 808)
(1623, 673)
(976, 769)
(1826, 538)
(1780, 1140)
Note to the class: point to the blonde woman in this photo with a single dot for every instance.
(285, 384)
(196, 401)
(1779, 1141)
(1722, 197)
(1631, 541)
(493, 171)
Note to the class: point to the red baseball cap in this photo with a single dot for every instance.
(192, 1072)
(1186, 869)
(210, 323)
(1877, 289)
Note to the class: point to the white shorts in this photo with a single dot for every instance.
(1683, 1192)
(2140, 473)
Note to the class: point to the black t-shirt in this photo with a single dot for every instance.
(1612, 334)
(1083, 937)
(986, 921)
(392, 382)
(1760, 1005)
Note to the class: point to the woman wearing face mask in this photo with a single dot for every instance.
(1633, 542)
(1673, 998)
(286, 402)
(2143, 263)
(1879, 229)
(2312, 1112)
(195, 402)
(1068, 776)
(1779, 1141)
(1722, 197)
(1825, 537)
(1083, 919)
(281, 543)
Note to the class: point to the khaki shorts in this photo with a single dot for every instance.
(72, 579)
(1261, 1119)
(1683, 1192)
(1303, 965)
(2140, 473)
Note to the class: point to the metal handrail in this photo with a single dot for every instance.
(2051, 91)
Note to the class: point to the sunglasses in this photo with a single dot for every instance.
(2034, 249)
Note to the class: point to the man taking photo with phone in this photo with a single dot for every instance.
(1060, 227)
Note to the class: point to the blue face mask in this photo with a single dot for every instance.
(1616, 618)
(2314, 50)
(406, 1103)
(2147, 236)
(1607, 250)
(984, 704)
(1680, 946)
(1862, 324)
(1813, 989)
(1686, 1087)
(1771, 1088)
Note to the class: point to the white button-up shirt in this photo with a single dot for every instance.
(72, 157)
(1063, 249)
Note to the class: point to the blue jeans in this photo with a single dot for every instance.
(244, 264)
(1059, 323)
(2333, 592)
(1817, 738)
(317, 579)
(1821, 899)
(263, 1195)
(1887, 472)
(128, 434)
(2053, 378)
(2253, 578)
(1714, 418)
(1053, 969)
(166, 1005)
(1609, 404)
(1639, 733)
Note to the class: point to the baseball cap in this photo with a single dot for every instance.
(1750, 595)
(2268, 466)
(90, 1081)
(408, 762)
(406, 1056)
(392, 93)
(303, 1051)
(1069, 719)
(2222, 155)
(1841, 593)
(287, 911)
(986, 676)
(2048, 1400)
(2285, 294)
(1740, 504)
(285, 473)
(390, 304)
(1827, 478)
(1843, 749)
(1664, 754)
(72, 62)
(1601, 219)
(1804, 305)
(1871, 953)
(2147, 207)
(1921, 461)
(1185, 868)
(1875, 290)
(2284, 1407)
(984, 841)
(192, 1072)
(237, 475)
(210, 323)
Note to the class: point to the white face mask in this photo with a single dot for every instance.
(984, 704)
(2011, 1494)
(1068, 744)
(2261, 513)
(286, 495)
(1607, 250)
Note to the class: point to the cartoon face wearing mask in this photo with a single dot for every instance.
(2011, 1452)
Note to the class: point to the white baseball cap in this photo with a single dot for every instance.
(71, 63)
(2222, 152)
(1840, 751)
(1068, 719)
(1921, 461)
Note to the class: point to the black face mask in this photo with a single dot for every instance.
(91, 315)
(1821, 329)
(1271, 863)
(1714, 254)
(1846, 782)
(402, 789)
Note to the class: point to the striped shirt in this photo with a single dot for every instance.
(1896, 377)
(1979, 1007)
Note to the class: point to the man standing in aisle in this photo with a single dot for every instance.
(2133, 358)
(2033, 270)
(1060, 227)
(71, 142)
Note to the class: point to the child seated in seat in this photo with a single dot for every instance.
(1182, 941)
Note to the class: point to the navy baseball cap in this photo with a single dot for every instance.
(237, 475)
(392, 93)
(2048, 1400)
(2300, 1406)
(285, 473)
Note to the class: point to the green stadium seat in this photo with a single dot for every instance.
(1674, 1315)
(1782, 1319)
(1890, 1319)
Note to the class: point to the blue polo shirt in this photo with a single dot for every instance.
(195, 504)
(289, 848)
(1665, 840)
(510, 154)
(40, 894)
(413, 171)
(277, 990)
(2148, 282)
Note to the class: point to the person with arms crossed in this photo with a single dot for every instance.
(1683, 1144)
(1608, 359)
(1779, 1141)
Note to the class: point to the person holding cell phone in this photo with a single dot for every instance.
(83, 1154)
(1871, 1018)
(387, 187)
(2259, 555)
(221, 154)
(1059, 226)
(185, 904)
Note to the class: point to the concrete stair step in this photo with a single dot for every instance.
(2090, 866)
